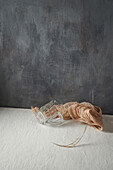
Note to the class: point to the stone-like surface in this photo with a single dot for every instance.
(53, 49)
(27, 145)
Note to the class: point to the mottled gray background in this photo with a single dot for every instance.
(56, 49)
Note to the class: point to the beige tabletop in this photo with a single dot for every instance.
(27, 145)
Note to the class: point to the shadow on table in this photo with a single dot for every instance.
(108, 123)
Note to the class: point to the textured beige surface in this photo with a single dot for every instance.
(27, 145)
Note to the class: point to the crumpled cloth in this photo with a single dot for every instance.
(84, 112)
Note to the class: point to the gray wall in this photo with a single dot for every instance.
(56, 49)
